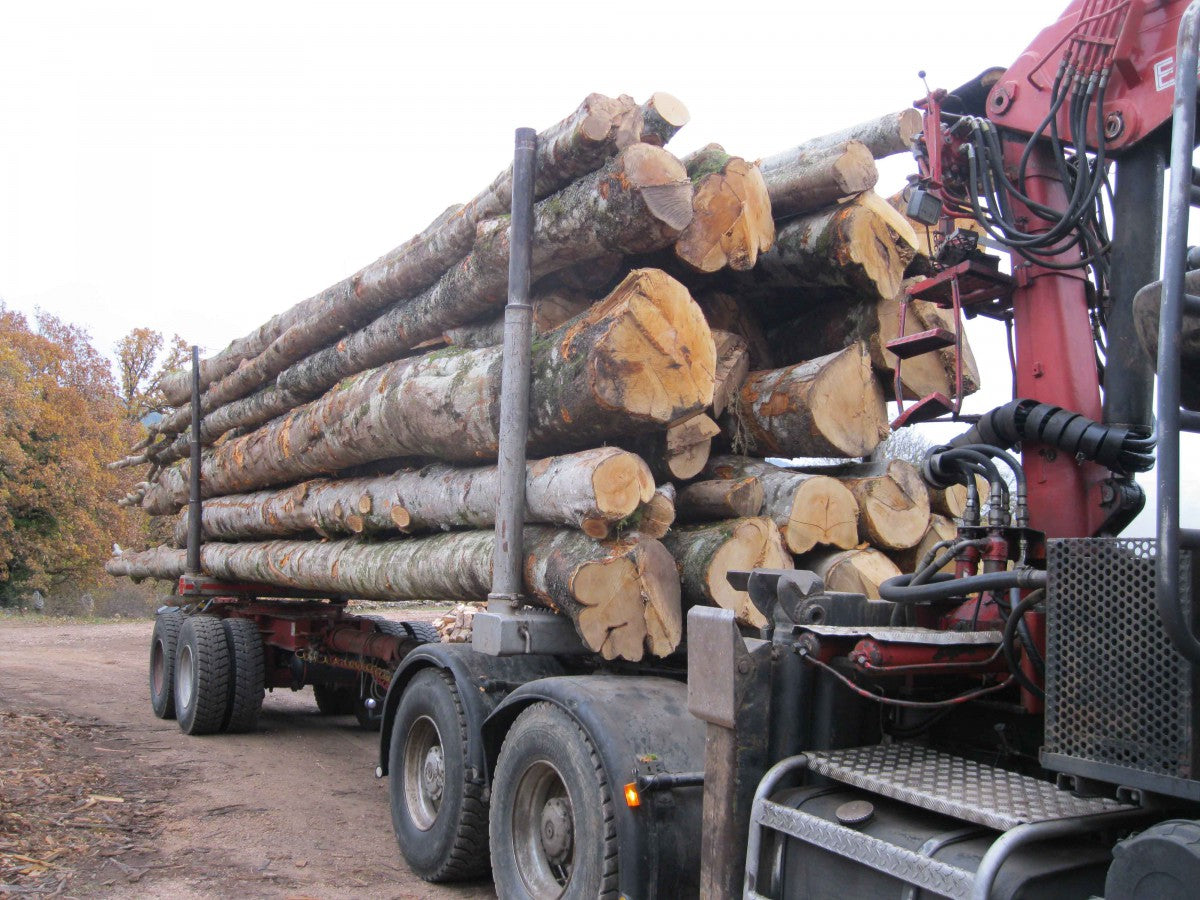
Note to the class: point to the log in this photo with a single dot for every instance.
(810, 510)
(577, 145)
(852, 571)
(1146, 305)
(724, 312)
(656, 517)
(734, 498)
(951, 502)
(803, 179)
(731, 213)
(593, 490)
(858, 250)
(657, 121)
(885, 136)
(706, 554)
(940, 529)
(638, 202)
(733, 365)
(550, 310)
(622, 596)
(639, 360)
(893, 503)
(831, 406)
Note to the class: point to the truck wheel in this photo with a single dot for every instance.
(552, 825)
(335, 699)
(162, 662)
(201, 675)
(420, 631)
(246, 675)
(440, 818)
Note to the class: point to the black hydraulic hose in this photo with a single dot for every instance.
(900, 589)
(1009, 642)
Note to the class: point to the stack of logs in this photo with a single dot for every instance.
(693, 317)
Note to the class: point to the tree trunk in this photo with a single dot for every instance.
(733, 366)
(656, 517)
(577, 145)
(550, 310)
(622, 596)
(705, 501)
(940, 529)
(731, 222)
(593, 490)
(706, 554)
(657, 121)
(828, 407)
(639, 201)
(893, 503)
(885, 136)
(852, 252)
(851, 571)
(680, 452)
(725, 312)
(803, 179)
(640, 359)
(809, 509)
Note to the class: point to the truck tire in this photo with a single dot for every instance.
(162, 662)
(246, 675)
(335, 699)
(440, 818)
(421, 631)
(552, 818)
(202, 673)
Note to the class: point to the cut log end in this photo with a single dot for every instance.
(823, 512)
(659, 513)
(621, 484)
(893, 506)
(752, 544)
(853, 571)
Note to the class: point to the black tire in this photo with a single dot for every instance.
(443, 836)
(335, 699)
(247, 670)
(162, 662)
(202, 673)
(420, 631)
(549, 773)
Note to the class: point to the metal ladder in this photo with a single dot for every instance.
(1171, 418)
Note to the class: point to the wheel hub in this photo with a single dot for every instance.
(433, 774)
(557, 830)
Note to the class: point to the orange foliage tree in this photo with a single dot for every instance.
(61, 420)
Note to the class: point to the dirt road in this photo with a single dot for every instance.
(293, 810)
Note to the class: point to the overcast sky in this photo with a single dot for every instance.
(196, 168)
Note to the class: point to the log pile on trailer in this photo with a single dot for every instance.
(692, 317)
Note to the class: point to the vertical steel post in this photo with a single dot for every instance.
(507, 581)
(194, 506)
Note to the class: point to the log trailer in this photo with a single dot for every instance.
(1026, 727)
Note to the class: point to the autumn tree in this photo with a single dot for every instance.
(143, 358)
(61, 420)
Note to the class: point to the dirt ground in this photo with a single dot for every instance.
(293, 810)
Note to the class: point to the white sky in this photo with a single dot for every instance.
(197, 168)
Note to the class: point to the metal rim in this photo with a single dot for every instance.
(185, 677)
(424, 772)
(158, 669)
(543, 830)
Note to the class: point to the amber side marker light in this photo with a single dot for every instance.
(632, 797)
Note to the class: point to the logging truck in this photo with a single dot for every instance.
(955, 679)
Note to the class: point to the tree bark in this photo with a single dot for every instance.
(706, 554)
(550, 310)
(733, 366)
(831, 406)
(885, 136)
(940, 529)
(638, 202)
(810, 510)
(577, 145)
(805, 179)
(594, 491)
(704, 501)
(851, 571)
(622, 596)
(640, 359)
(731, 222)
(893, 503)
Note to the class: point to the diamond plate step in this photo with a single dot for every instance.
(956, 787)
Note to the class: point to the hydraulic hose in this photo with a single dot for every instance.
(945, 586)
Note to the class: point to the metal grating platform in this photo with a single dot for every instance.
(954, 786)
